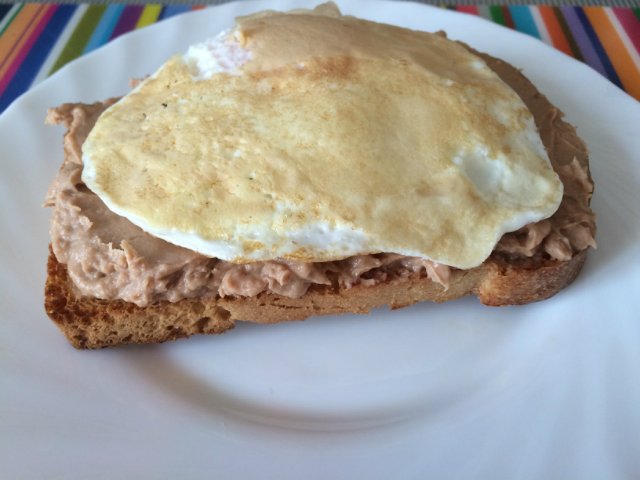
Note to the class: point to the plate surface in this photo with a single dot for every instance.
(548, 390)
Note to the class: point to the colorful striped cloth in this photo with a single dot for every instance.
(38, 39)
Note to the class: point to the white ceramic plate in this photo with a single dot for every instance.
(550, 390)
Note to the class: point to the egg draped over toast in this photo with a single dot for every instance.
(315, 136)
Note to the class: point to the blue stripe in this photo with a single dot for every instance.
(105, 27)
(597, 46)
(523, 20)
(171, 10)
(37, 55)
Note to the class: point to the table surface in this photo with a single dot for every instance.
(37, 39)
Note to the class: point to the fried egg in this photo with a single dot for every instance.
(315, 136)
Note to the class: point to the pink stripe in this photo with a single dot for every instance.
(473, 10)
(630, 24)
(17, 61)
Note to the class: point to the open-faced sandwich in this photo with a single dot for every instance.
(309, 163)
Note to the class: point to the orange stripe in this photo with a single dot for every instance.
(616, 51)
(555, 31)
(18, 33)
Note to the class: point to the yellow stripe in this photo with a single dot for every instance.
(616, 51)
(18, 32)
(149, 15)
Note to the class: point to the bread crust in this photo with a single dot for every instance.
(96, 323)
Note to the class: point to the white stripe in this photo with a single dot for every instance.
(60, 44)
(624, 37)
(542, 28)
(484, 12)
(9, 15)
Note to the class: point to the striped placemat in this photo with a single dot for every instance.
(38, 39)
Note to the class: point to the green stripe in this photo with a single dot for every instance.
(637, 12)
(497, 15)
(80, 36)
(11, 19)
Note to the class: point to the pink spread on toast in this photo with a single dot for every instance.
(110, 258)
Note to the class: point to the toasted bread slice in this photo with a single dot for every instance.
(514, 274)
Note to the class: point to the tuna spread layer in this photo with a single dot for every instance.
(110, 258)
